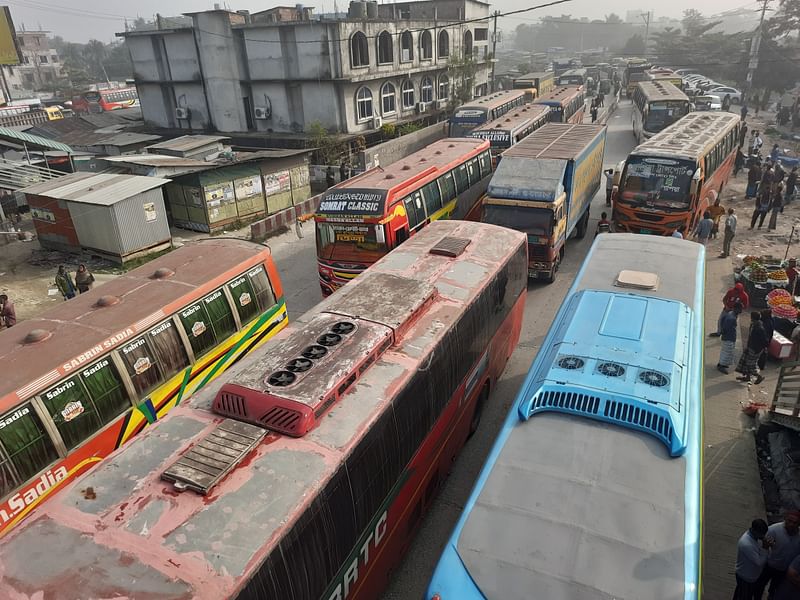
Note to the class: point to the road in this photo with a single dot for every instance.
(297, 265)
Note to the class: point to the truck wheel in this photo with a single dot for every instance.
(478, 412)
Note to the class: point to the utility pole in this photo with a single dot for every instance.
(494, 48)
(646, 18)
(755, 44)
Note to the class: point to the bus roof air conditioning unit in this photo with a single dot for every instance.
(263, 112)
(182, 112)
(377, 122)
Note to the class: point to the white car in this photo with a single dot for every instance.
(707, 102)
(722, 91)
(685, 72)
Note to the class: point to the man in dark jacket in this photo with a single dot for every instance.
(729, 325)
(769, 329)
(756, 342)
(8, 314)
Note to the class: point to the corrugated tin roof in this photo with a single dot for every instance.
(555, 140)
(32, 140)
(102, 189)
(126, 139)
(160, 160)
(186, 143)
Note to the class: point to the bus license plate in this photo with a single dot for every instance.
(533, 273)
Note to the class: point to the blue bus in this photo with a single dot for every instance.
(593, 487)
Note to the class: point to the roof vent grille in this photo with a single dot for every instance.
(654, 378)
(299, 365)
(570, 363)
(610, 369)
(329, 339)
(315, 352)
(450, 247)
(282, 378)
(343, 327)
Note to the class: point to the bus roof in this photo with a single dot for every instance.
(640, 497)
(555, 140)
(690, 137)
(138, 533)
(92, 323)
(661, 90)
(559, 95)
(493, 100)
(516, 119)
(535, 75)
(397, 175)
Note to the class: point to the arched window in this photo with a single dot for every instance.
(425, 45)
(406, 47)
(426, 91)
(407, 92)
(467, 43)
(363, 104)
(385, 54)
(388, 99)
(444, 44)
(359, 51)
(444, 87)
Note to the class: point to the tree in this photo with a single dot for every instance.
(461, 70)
(694, 23)
(329, 149)
(634, 46)
(94, 54)
(786, 21)
(524, 68)
(614, 18)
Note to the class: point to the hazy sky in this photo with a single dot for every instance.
(80, 20)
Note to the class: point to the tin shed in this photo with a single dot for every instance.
(115, 216)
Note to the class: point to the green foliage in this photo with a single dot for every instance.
(634, 46)
(524, 68)
(329, 149)
(614, 18)
(786, 20)
(388, 130)
(461, 70)
(409, 128)
(694, 23)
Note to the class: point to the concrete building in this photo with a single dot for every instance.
(280, 70)
(41, 66)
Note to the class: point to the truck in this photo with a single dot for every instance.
(544, 187)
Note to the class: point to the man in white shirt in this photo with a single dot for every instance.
(785, 540)
(752, 552)
(757, 142)
(730, 232)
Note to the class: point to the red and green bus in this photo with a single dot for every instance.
(97, 101)
(362, 405)
(667, 182)
(363, 218)
(567, 103)
(85, 377)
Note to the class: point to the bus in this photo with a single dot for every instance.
(86, 376)
(491, 107)
(666, 75)
(635, 72)
(506, 131)
(361, 219)
(567, 104)
(593, 488)
(573, 77)
(362, 406)
(667, 182)
(97, 101)
(656, 106)
(535, 84)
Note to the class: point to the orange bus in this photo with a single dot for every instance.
(360, 407)
(509, 129)
(361, 219)
(97, 101)
(667, 182)
(85, 377)
(567, 103)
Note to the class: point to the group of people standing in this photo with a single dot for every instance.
(769, 556)
(68, 287)
(596, 105)
(771, 187)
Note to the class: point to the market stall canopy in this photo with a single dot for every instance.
(32, 141)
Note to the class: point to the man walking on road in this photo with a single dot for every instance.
(785, 538)
(703, 230)
(735, 295)
(751, 556)
(609, 173)
(756, 342)
(729, 326)
(729, 233)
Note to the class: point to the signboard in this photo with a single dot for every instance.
(495, 136)
(275, 183)
(354, 202)
(43, 214)
(247, 187)
(351, 233)
(219, 193)
(149, 211)
(9, 50)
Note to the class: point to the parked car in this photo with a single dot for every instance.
(707, 102)
(722, 91)
(684, 72)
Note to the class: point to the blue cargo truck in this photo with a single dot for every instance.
(544, 187)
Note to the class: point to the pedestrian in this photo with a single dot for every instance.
(791, 185)
(784, 538)
(735, 295)
(83, 279)
(738, 162)
(756, 142)
(790, 588)
(330, 179)
(773, 154)
(716, 210)
(753, 178)
(600, 100)
(703, 229)
(728, 325)
(609, 173)
(603, 225)
(678, 233)
(8, 314)
(769, 329)
(778, 173)
(791, 274)
(742, 133)
(64, 283)
(756, 342)
(594, 113)
(726, 103)
(776, 207)
(344, 171)
(752, 551)
(762, 208)
(730, 232)
(743, 111)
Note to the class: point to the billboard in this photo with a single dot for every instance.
(9, 50)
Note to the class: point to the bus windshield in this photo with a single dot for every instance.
(359, 242)
(92, 96)
(663, 181)
(536, 221)
(665, 113)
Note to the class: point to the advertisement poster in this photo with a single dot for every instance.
(43, 214)
(149, 211)
(275, 183)
(247, 187)
(219, 193)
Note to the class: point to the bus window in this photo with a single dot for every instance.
(414, 209)
(25, 448)
(448, 187)
(474, 171)
(486, 163)
(244, 298)
(262, 288)
(220, 314)
(433, 199)
(154, 358)
(82, 404)
(462, 179)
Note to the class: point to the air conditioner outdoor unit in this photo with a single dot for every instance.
(441, 104)
(422, 107)
(262, 112)
(182, 112)
(377, 122)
